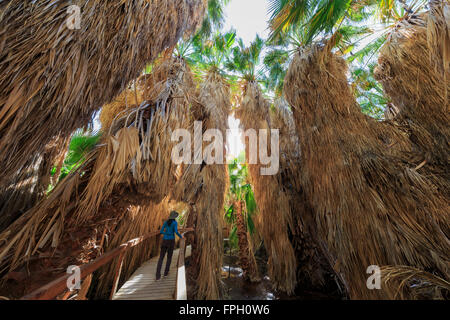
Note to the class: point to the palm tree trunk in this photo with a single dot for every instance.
(246, 258)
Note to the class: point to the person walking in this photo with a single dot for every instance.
(169, 229)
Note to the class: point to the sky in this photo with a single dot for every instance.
(248, 17)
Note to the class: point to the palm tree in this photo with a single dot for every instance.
(276, 63)
(240, 214)
(214, 19)
(112, 182)
(315, 17)
(253, 112)
(244, 62)
(359, 28)
(337, 141)
(206, 57)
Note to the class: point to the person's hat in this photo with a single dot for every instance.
(173, 215)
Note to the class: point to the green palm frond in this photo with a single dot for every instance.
(313, 17)
(324, 19)
(244, 61)
(240, 190)
(308, 19)
(368, 91)
(287, 13)
(368, 50)
(276, 64)
(214, 19)
(80, 145)
(203, 55)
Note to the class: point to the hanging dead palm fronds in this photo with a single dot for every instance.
(215, 95)
(314, 262)
(247, 259)
(414, 282)
(414, 71)
(146, 87)
(275, 215)
(131, 167)
(126, 100)
(204, 186)
(31, 184)
(371, 204)
(54, 77)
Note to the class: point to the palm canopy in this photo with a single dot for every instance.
(360, 28)
(207, 54)
(276, 64)
(316, 17)
(312, 16)
(214, 19)
(80, 145)
(238, 179)
(245, 61)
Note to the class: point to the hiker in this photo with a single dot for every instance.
(169, 228)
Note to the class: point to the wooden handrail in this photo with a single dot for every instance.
(59, 286)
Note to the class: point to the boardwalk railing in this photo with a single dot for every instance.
(59, 286)
(181, 292)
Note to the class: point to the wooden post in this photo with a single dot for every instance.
(84, 288)
(117, 273)
(181, 292)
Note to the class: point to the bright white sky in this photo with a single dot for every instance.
(248, 17)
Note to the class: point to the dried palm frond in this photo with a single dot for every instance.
(131, 167)
(128, 99)
(413, 69)
(204, 186)
(314, 263)
(370, 204)
(275, 219)
(146, 87)
(31, 184)
(53, 78)
(413, 282)
(215, 95)
(247, 259)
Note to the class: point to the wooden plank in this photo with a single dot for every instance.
(166, 297)
(181, 284)
(148, 285)
(149, 281)
(154, 292)
(130, 296)
(142, 285)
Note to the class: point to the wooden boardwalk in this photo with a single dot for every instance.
(142, 284)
